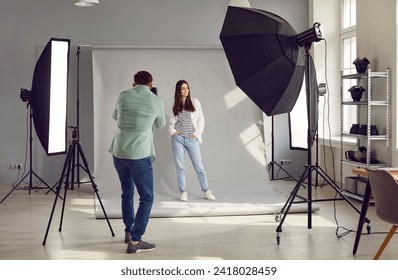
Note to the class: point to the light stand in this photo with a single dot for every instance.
(271, 165)
(273, 162)
(74, 148)
(268, 63)
(76, 157)
(31, 173)
(310, 168)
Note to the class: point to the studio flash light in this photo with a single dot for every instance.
(266, 57)
(47, 105)
(269, 62)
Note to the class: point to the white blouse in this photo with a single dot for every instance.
(197, 117)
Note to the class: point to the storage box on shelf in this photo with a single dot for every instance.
(355, 186)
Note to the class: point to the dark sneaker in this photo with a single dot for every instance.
(142, 246)
(127, 237)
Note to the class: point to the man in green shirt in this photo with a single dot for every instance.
(136, 112)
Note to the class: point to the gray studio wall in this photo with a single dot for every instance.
(26, 26)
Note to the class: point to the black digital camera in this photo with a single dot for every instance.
(154, 90)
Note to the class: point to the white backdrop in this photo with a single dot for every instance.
(233, 147)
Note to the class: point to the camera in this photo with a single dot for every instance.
(154, 90)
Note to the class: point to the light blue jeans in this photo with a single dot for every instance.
(139, 173)
(180, 144)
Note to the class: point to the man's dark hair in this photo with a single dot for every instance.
(143, 78)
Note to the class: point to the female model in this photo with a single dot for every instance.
(186, 127)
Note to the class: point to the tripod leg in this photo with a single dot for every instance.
(289, 203)
(14, 187)
(273, 163)
(52, 188)
(70, 164)
(41, 180)
(58, 189)
(337, 189)
(362, 212)
(80, 150)
(72, 169)
(293, 195)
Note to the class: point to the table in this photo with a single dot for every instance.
(362, 171)
(365, 202)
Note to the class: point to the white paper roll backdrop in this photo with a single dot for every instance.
(232, 149)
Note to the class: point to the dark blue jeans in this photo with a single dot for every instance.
(139, 173)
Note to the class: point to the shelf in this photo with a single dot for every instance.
(365, 75)
(365, 103)
(363, 116)
(363, 165)
(357, 196)
(371, 137)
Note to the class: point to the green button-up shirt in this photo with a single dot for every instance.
(136, 111)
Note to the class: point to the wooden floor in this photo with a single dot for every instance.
(24, 218)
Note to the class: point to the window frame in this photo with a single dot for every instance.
(350, 112)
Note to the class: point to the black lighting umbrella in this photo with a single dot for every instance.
(265, 59)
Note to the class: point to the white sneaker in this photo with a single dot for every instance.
(184, 196)
(208, 195)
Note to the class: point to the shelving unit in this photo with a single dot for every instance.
(364, 111)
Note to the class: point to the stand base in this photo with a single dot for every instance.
(307, 174)
(73, 147)
(29, 187)
(271, 166)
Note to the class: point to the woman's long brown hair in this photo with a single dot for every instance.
(178, 105)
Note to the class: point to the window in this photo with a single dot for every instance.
(348, 55)
(349, 13)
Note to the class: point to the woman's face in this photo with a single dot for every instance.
(184, 90)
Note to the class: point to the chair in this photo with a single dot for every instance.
(385, 194)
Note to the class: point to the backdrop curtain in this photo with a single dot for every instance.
(233, 146)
